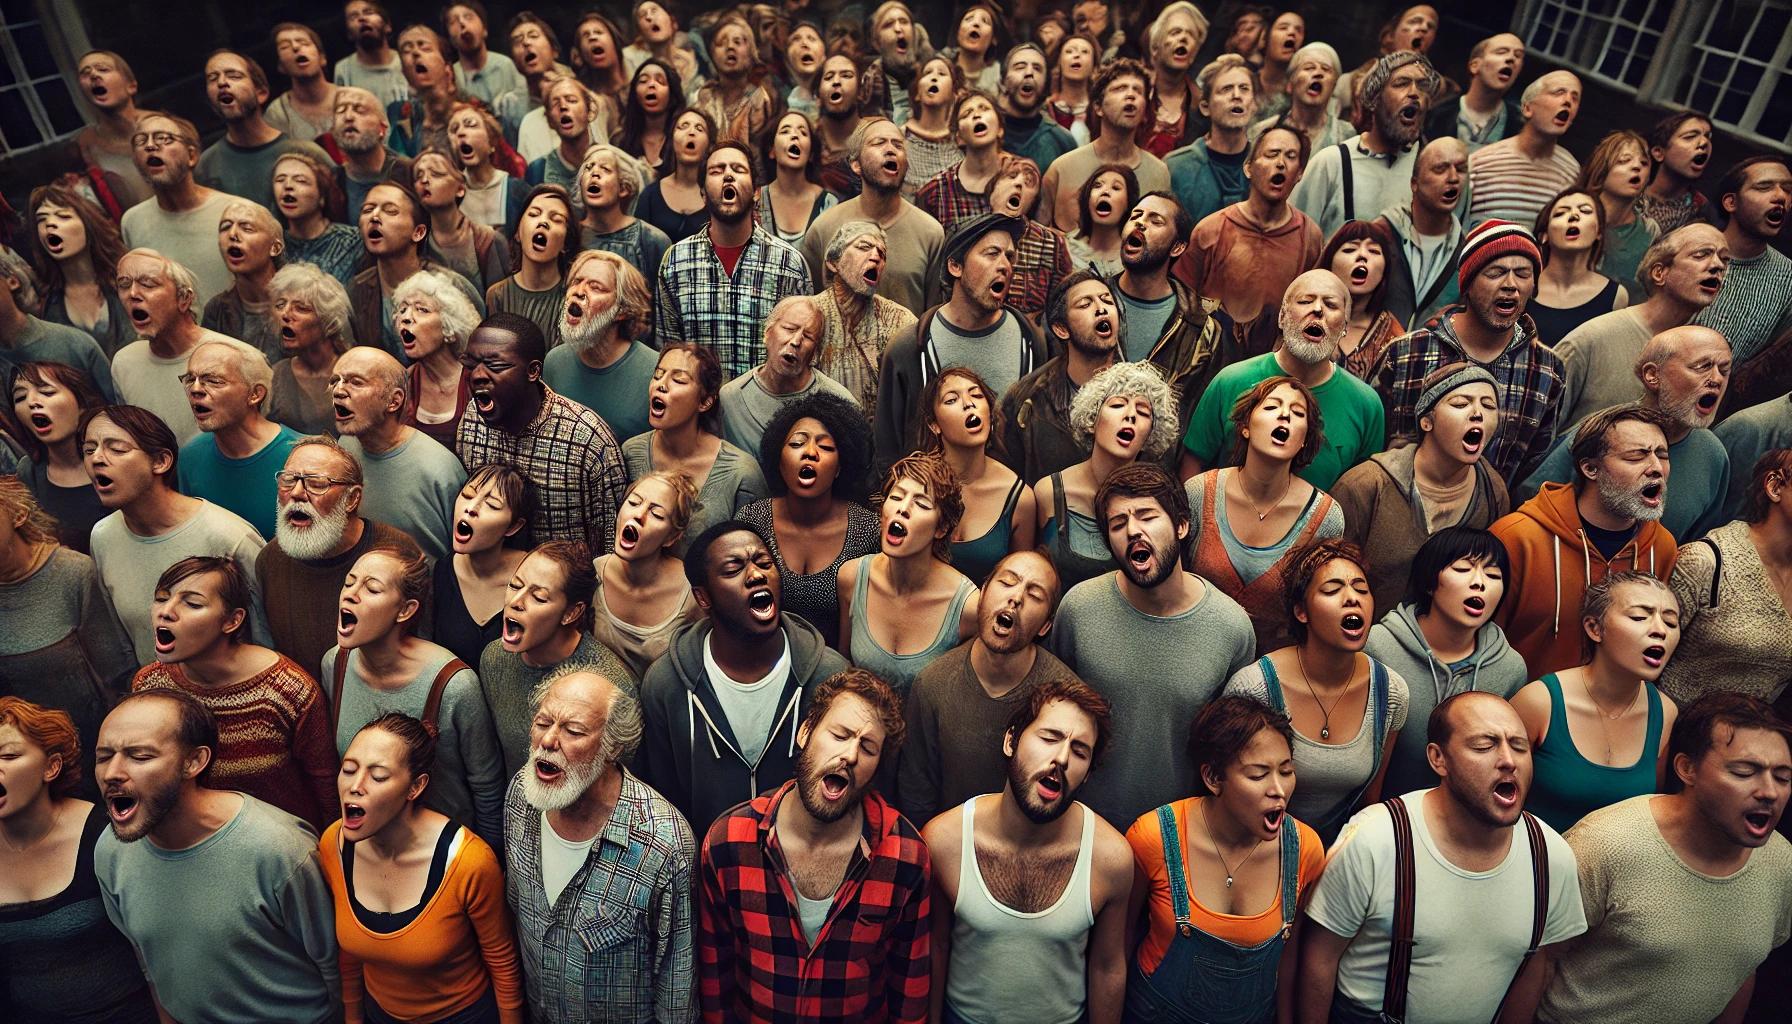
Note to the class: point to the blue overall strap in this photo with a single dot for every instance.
(1290, 872)
(1378, 732)
(1272, 684)
(1175, 866)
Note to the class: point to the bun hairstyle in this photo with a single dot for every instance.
(418, 737)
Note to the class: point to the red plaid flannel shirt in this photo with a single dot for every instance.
(872, 961)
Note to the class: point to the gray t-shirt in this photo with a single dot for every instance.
(996, 352)
(750, 707)
(189, 238)
(385, 81)
(129, 566)
(240, 926)
(1145, 320)
(617, 392)
(249, 171)
(640, 243)
(412, 487)
(508, 684)
(44, 341)
(747, 407)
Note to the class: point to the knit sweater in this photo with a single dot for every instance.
(301, 596)
(1735, 632)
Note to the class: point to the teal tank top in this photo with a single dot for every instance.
(1566, 787)
(900, 670)
(977, 558)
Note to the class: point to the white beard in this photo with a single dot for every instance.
(1308, 353)
(310, 543)
(586, 334)
(575, 780)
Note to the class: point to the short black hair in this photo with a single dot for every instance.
(852, 441)
(530, 344)
(696, 557)
(1445, 548)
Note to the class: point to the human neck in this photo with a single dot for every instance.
(384, 435)
(1692, 837)
(1114, 146)
(554, 649)
(746, 657)
(967, 316)
(604, 351)
(197, 814)
(640, 573)
(1226, 141)
(607, 219)
(852, 304)
(1170, 81)
(177, 339)
(351, 535)
(778, 384)
(366, 164)
(400, 835)
(120, 122)
(1437, 469)
(482, 173)
(441, 366)
(1267, 213)
(1149, 285)
(732, 86)
(1744, 244)
(688, 173)
(1012, 822)
(308, 226)
(488, 563)
(1612, 688)
(158, 510)
(252, 287)
(1079, 365)
(1534, 144)
(876, 204)
(249, 132)
(1264, 479)
(730, 236)
(1226, 831)
(1667, 186)
(311, 89)
(1460, 830)
(1618, 211)
(573, 147)
(473, 59)
(30, 823)
(66, 453)
(999, 674)
(1480, 98)
(806, 511)
(518, 420)
(538, 275)
(1567, 268)
(1104, 237)
(374, 55)
(77, 271)
(1430, 221)
(909, 573)
(810, 831)
(1172, 595)
(1307, 116)
(593, 807)
(384, 656)
(181, 196)
(1479, 341)
(217, 665)
(1662, 311)
(790, 181)
(1676, 431)
(680, 441)
(1310, 374)
(396, 267)
(981, 162)
(1588, 505)
(1072, 94)
(1449, 641)
(245, 438)
(1326, 665)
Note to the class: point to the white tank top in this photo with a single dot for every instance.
(1012, 966)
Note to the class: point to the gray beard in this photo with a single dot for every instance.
(357, 144)
(589, 333)
(576, 779)
(1308, 353)
(1389, 126)
(1629, 504)
(308, 544)
(1685, 411)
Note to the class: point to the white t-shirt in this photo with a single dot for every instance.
(560, 859)
(1470, 929)
(146, 379)
(750, 707)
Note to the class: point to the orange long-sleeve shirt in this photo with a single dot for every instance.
(441, 962)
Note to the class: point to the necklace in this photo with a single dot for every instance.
(1325, 713)
(55, 818)
(1215, 840)
(1605, 716)
(1263, 513)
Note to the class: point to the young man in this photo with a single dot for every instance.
(110, 88)
(307, 109)
(420, 121)
(374, 65)
(1680, 150)
(974, 327)
(1682, 274)
(1357, 179)
(235, 882)
(411, 480)
(488, 76)
(1754, 310)
(275, 741)
(717, 286)
(394, 230)
(242, 162)
(1118, 95)
(1702, 860)
(879, 156)
(837, 90)
(793, 335)
(25, 338)
(131, 458)
(181, 218)
(319, 534)
(722, 705)
(1041, 253)
(1086, 320)
(597, 364)
(1569, 535)
(1173, 40)
(1497, 273)
(630, 851)
(1485, 113)
(1110, 630)
(359, 130)
(569, 110)
(858, 324)
(1314, 313)
(609, 183)
(1421, 271)
(1514, 178)
(812, 899)
(1682, 373)
(962, 191)
(1470, 863)
(1248, 253)
(239, 450)
(1026, 131)
(1209, 174)
(1030, 886)
(741, 107)
(567, 451)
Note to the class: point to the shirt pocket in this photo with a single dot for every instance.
(612, 943)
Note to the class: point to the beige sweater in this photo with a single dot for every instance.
(1741, 639)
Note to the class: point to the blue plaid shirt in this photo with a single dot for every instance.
(699, 302)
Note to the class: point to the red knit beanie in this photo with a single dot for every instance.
(1489, 241)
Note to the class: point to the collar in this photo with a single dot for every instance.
(870, 825)
(1357, 146)
(629, 809)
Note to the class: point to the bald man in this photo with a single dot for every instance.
(411, 480)
(1421, 270)
(1486, 113)
(359, 126)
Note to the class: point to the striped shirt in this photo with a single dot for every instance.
(1505, 184)
(571, 457)
(1754, 306)
(698, 301)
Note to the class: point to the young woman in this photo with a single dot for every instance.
(1250, 520)
(1000, 511)
(493, 196)
(541, 252)
(65, 961)
(815, 453)
(1570, 288)
(1102, 205)
(1616, 175)
(976, 44)
(804, 50)
(311, 313)
(1347, 708)
(307, 198)
(469, 248)
(654, 92)
(597, 60)
(1358, 254)
(929, 133)
(251, 242)
(48, 400)
(433, 320)
(1222, 877)
(906, 605)
(642, 595)
(657, 37)
(420, 914)
(571, 112)
(77, 263)
(380, 665)
(674, 202)
(791, 201)
(1287, 34)
(469, 589)
(1124, 414)
(1599, 732)
(1069, 104)
(1443, 641)
(1735, 588)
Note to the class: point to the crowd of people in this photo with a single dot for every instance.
(760, 518)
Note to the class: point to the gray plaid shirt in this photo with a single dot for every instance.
(697, 301)
(615, 948)
(571, 457)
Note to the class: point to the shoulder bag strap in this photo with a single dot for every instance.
(1272, 684)
(434, 703)
(1348, 175)
(1393, 1003)
(337, 678)
(1539, 902)
(1717, 570)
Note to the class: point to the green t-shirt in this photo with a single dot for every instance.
(618, 392)
(1350, 414)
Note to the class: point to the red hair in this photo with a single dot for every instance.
(51, 731)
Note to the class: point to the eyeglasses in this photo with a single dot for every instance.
(115, 448)
(212, 381)
(159, 138)
(314, 483)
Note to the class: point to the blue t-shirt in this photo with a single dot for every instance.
(244, 486)
(618, 392)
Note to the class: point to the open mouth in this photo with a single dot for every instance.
(1475, 605)
(1774, 216)
(200, 410)
(1278, 179)
(1707, 402)
(1506, 307)
(807, 475)
(763, 604)
(1180, 52)
(628, 536)
(375, 235)
(1711, 284)
(1760, 823)
(1134, 242)
(834, 785)
(1139, 554)
(1104, 327)
(1315, 88)
(730, 193)
(891, 166)
(483, 401)
(1636, 181)
(789, 359)
(1505, 792)
(226, 97)
(871, 275)
(567, 124)
(41, 422)
(1050, 786)
(1571, 232)
(466, 150)
(1504, 74)
(288, 202)
(998, 286)
(1451, 194)
(548, 771)
(1004, 622)
(1700, 159)
(1279, 434)
(102, 481)
(794, 150)
(164, 639)
(1409, 114)
(120, 808)
(656, 406)
(420, 69)
(345, 622)
(287, 333)
(973, 421)
(896, 533)
(539, 240)
(1314, 330)
(1471, 440)
(234, 253)
(1563, 117)
(513, 630)
(1353, 626)
(979, 128)
(97, 91)
(353, 815)
(463, 530)
(1654, 655)
(1359, 274)
(299, 518)
(52, 241)
(139, 315)
(1651, 492)
(1103, 208)
(1272, 819)
(836, 96)
(1126, 436)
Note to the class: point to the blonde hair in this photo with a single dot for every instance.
(28, 518)
(684, 498)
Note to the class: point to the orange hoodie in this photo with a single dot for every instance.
(1553, 563)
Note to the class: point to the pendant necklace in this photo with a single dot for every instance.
(1211, 838)
(1263, 514)
(1606, 717)
(1325, 713)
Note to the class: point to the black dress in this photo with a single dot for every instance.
(454, 625)
(816, 596)
(1555, 324)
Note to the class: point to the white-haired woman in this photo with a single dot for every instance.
(310, 310)
(609, 183)
(1123, 414)
(251, 242)
(433, 319)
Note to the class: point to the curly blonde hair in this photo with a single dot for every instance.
(1133, 379)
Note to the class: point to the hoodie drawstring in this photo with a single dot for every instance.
(1555, 574)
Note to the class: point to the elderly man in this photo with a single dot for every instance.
(609, 182)
(912, 236)
(1514, 178)
(793, 334)
(597, 363)
(359, 129)
(857, 323)
(630, 852)
(239, 450)
(181, 218)
(1485, 113)
(1209, 174)
(410, 481)
(1683, 372)
(158, 295)
(242, 162)
(1173, 42)
(24, 338)
(1359, 178)
(1314, 315)
(1313, 73)
(1117, 99)
(1682, 274)
(318, 534)
(1421, 271)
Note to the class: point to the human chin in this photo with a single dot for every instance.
(553, 782)
(305, 534)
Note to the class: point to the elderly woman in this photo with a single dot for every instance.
(251, 242)
(858, 323)
(78, 249)
(307, 196)
(1124, 414)
(609, 183)
(433, 319)
(310, 316)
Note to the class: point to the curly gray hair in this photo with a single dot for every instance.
(623, 726)
(306, 283)
(1131, 379)
(459, 318)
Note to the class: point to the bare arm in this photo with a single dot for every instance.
(1319, 955)
(1288, 975)
(1043, 500)
(1521, 999)
(1108, 944)
(1738, 1007)
(942, 838)
(843, 587)
(1024, 524)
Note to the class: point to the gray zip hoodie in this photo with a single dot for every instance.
(1396, 642)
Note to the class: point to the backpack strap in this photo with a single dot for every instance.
(1349, 179)
(433, 704)
(1272, 684)
(341, 674)
(1539, 902)
(1400, 940)
(1717, 570)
